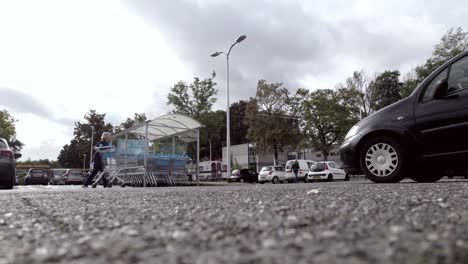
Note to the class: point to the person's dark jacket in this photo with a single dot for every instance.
(295, 167)
(97, 159)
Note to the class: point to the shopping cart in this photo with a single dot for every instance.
(117, 168)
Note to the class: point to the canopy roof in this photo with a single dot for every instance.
(166, 126)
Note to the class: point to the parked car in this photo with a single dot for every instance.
(36, 176)
(304, 166)
(56, 177)
(274, 174)
(243, 175)
(73, 176)
(7, 165)
(326, 170)
(421, 136)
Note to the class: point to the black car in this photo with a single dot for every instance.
(244, 175)
(36, 176)
(420, 137)
(7, 165)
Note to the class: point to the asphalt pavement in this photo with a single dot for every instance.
(337, 222)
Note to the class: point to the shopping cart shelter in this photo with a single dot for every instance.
(156, 152)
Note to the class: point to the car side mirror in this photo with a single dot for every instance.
(18, 155)
(441, 89)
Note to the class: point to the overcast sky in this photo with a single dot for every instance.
(58, 59)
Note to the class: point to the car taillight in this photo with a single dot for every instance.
(325, 166)
(271, 172)
(7, 153)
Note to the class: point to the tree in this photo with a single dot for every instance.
(71, 156)
(131, 122)
(324, 120)
(214, 130)
(8, 130)
(386, 88)
(270, 125)
(360, 92)
(452, 43)
(194, 99)
(239, 126)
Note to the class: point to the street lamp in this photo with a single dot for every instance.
(228, 127)
(91, 149)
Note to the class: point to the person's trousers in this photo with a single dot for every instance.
(295, 177)
(89, 179)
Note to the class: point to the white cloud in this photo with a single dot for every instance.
(76, 56)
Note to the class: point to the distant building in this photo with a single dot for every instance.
(246, 156)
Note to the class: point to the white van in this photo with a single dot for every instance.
(211, 171)
(304, 166)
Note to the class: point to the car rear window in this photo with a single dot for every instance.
(266, 168)
(289, 164)
(2, 145)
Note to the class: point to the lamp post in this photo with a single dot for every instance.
(228, 126)
(91, 148)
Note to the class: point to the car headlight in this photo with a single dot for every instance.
(352, 132)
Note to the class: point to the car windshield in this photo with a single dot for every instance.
(267, 168)
(2, 145)
(75, 173)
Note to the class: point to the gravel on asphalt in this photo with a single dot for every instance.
(331, 222)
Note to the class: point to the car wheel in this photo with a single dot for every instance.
(275, 180)
(383, 160)
(241, 180)
(330, 177)
(346, 178)
(9, 185)
(306, 178)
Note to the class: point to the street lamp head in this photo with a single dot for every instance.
(216, 54)
(241, 38)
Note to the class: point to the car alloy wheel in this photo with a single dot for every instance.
(383, 160)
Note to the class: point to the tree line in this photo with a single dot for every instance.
(276, 117)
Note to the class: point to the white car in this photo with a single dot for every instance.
(326, 170)
(304, 166)
(274, 174)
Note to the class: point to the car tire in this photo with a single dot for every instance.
(330, 177)
(383, 160)
(241, 180)
(426, 176)
(275, 180)
(306, 178)
(346, 177)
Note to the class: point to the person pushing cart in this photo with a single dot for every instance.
(98, 160)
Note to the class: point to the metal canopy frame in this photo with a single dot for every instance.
(163, 127)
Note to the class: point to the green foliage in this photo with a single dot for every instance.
(239, 126)
(194, 99)
(387, 89)
(452, 43)
(270, 125)
(71, 155)
(324, 119)
(215, 130)
(8, 130)
(359, 93)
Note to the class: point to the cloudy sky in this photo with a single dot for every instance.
(58, 59)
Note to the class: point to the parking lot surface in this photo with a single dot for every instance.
(336, 222)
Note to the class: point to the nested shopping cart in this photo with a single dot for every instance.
(119, 169)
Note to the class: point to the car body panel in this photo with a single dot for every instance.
(273, 171)
(434, 133)
(304, 166)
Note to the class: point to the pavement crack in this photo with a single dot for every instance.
(54, 220)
